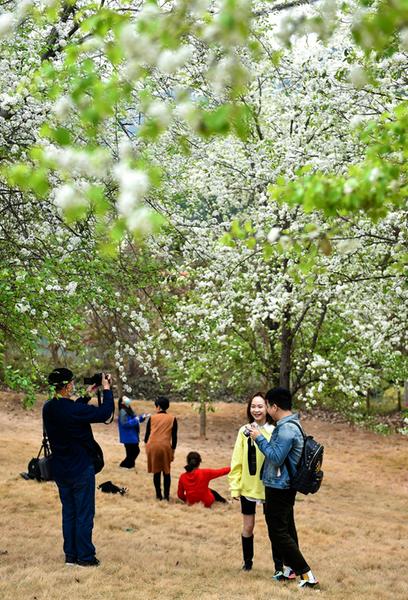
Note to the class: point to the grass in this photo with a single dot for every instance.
(353, 532)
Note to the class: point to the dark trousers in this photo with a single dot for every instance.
(166, 485)
(249, 508)
(281, 528)
(217, 496)
(132, 452)
(78, 511)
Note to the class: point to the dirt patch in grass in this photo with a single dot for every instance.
(353, 532)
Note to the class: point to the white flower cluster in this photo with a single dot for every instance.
(79, 163)
(133, 186)
(71, 288)
(7, 24)
(23, 306)
(67, 196)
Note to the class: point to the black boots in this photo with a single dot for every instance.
(166, 485)
(247, 552)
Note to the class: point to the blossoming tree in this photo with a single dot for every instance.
(261, 149)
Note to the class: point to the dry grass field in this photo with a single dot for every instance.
(353, 532)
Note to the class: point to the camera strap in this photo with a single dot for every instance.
(99, 404)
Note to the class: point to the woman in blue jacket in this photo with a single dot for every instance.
(128, 423)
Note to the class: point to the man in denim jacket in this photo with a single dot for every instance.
(285, 446)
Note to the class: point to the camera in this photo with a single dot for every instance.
(96, 379)
(246, 432)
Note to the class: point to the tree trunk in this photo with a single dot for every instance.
(406, 394)
(53, 348)
(286, 353)
(399, 403)
(272, 376)
(368, 402)
(203, 419)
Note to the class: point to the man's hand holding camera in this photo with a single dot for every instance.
(106, 381)
(253, 431)
(97, 381)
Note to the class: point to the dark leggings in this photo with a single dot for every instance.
(249, 508)
(217, 496)
(132, 452)
(166, 485)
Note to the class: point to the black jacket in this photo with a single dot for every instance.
(67, 424)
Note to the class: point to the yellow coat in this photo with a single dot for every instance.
(240, 481)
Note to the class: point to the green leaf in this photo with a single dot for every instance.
(39, 182)
(62, 136)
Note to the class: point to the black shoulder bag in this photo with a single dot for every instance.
(96, 451)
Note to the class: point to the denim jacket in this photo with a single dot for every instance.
(286, 441)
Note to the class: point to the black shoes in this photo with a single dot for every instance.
(72, 562)
(247, 565)
(94, 562)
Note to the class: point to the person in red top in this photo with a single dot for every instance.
(193, 485)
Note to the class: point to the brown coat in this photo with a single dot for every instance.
(158, 448)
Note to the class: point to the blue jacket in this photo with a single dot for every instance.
(67, 424)
(286, 441)
(129, 427)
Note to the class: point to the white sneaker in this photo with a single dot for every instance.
(310, 582)
(289, 573)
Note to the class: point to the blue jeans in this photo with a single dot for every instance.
(78, 511)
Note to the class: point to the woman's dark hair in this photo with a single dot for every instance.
(193, 461)
(128, 409)
(162, 402)
(250, 417)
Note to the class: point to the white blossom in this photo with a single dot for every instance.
(134, 184)
(71, 287)
(170, 60)
(63, 107)
(67, 196)
(358, 77)
(273, 235)
(7, 24)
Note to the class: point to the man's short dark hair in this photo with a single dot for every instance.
(281, 397)
(162, 402)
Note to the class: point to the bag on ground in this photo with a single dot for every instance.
(110, 488)
(39, 468)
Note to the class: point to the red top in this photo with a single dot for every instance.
(193, 486)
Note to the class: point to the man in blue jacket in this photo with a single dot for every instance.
(285, 446)
(67, 424)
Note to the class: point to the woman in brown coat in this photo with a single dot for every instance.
(161, 442)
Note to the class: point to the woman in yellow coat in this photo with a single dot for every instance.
(245, 477)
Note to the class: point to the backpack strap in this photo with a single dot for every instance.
(286, 461)
(298, 425)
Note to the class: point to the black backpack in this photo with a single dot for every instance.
(309, 475)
